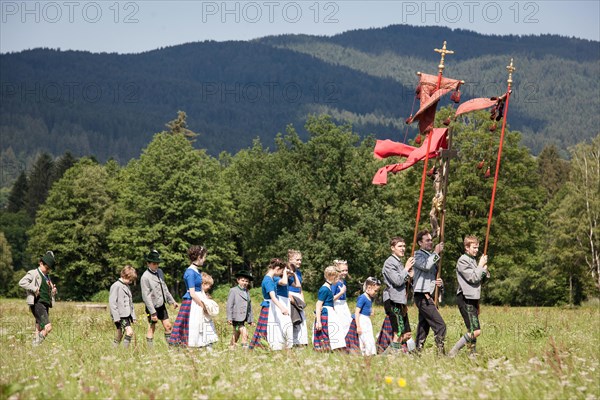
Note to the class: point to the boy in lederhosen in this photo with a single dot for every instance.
(40, 295)
(239, 308)
(120, 302)
(156, 295)
(470, 276)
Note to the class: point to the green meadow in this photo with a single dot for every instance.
(524, 353)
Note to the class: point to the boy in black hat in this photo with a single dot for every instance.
(239, 308)
(156, 295)
(40, 295)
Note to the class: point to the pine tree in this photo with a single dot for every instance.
(40, 180)
(17, 198)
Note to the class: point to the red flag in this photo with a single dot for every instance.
(430, 94)
(388, 148)
(438, 141)
(475, 104)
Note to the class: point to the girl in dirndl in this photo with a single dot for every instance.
(340, 290)
(210, 309)
(360, 335)
(328, 333)
(297, 297)
(186, 331)
(274, 323)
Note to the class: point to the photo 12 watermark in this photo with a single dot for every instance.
(271, 12)
(469, 12)
(269, 92)
(53, 12)
(70, 92)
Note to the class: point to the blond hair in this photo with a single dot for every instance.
(330, 272)
(128, 272)
(470, 239)
(207, 279)
(292, 252)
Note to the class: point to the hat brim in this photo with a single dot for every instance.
(248, 276)
(154, 260)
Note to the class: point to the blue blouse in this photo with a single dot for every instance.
(365, 304)
(282, 290)
(267, 286)
(336, 287)
(326, 296)
(291, 280)
(192, 279)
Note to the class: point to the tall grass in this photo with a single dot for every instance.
(523, 353)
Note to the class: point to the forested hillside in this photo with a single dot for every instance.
(110, 105)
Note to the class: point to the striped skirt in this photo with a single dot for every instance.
(260, 334)
(180, 333)
(385, 335)
(321, 338)
(333, 335)
(352, 342)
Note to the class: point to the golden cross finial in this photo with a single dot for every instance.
(510, 69)
(443, 52)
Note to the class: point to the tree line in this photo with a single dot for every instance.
(314, 195)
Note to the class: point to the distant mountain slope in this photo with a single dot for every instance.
(110, 105)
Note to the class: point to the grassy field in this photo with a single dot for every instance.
(533, 353)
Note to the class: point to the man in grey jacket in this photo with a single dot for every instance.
(470, 276)
(40, 295)
(156, 295)
(425, 281)
(396, 276)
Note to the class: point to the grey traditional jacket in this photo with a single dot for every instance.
(154, 290)
(425, 269)
(395, 278)
(239, 305)
(470, 277)
(120, 301)
(31, 282)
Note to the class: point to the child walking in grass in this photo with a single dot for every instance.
(156, 295)
(360, 335)
(327, 332)
(239, 308)
(274, 323)
(297, 302)
(210, 309)
(470, 275)
(121, 306)
(340, 290)
(40, 295)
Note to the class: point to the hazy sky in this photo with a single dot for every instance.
(136, 26)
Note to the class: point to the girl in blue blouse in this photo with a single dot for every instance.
(275, 312)
(300, 329)
(328, 333)
(362, 317)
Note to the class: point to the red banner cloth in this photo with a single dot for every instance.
(388, 148)
(475, 104)
(438, 141)
(430, 94)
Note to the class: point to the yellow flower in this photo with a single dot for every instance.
(388, 379)
(402, 382)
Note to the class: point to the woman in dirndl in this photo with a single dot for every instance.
(188, 325)
(328, 331)
(275, 310)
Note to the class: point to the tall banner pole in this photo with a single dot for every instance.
(510, 69)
